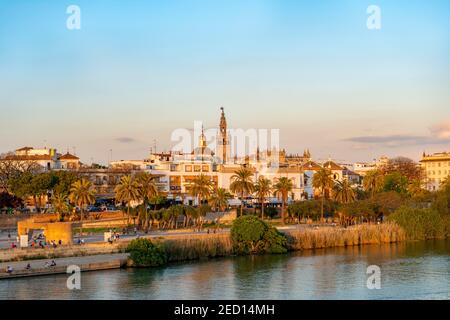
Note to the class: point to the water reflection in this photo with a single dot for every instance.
(416, 270)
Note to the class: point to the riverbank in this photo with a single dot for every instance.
(204, 246)
(39, 268)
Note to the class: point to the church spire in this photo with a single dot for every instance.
(223, 122)
(223, 137)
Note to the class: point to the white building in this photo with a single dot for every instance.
(436, 167)
(47, 159)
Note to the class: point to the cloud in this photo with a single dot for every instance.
(395, 140)
(126, 140)
(441, 130)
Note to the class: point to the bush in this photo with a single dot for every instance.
(270, 212)
(311, 209)
(145, 253)
(420, 224)
(251, 235)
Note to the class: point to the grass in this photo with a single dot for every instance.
(192, 248)
(340, 237)
(422, 224)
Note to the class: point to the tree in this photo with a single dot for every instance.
(201, 187)
(396, 182)
(147, 189)
(20, 185)
(445, 183)
(41, 185)
(343, 192)
(127, 191)
(405, 166)
(263, 188)
(373, 182)
(64, 181)
(219, 199)
(60, 205)
(282, 187)
(241, 183)
(11, 169)
(8, 200)
(322, 180)
(82, 194)
(250, 234)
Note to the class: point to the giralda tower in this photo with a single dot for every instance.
(223, 143)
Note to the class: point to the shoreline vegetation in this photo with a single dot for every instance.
(159, 252)
(391, 205)
(221, 245)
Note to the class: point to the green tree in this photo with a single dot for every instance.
(82, 194)
(219, 199)
(373, 182)
(147, 189)
(322, 180)
(396, 182)
(127, 191)
(145, 253)
(282, 187)
(242, 183)
(64, 181)
(201, 188)
(263, 189)
(343, 192)
(250, 234)
(60, 204)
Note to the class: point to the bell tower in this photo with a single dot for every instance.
(223, 144)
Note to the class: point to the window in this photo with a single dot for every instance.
(188, 168)
(205, 168)
(196, 168)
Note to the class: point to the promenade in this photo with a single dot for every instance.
(86, 263)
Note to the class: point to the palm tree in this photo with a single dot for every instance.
(147, 189)
(373, 182)
(82, 194)
(263, 189)
(241, 183)
(60, 205)
(219, 199)
(282, 187)
(445, 183)
(343, 192)
(201, 187)
(322, 180)
(127, 191)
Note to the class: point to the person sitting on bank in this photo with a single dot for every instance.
(9, 269)
(28, 267)
(53, 264)
(46, 265)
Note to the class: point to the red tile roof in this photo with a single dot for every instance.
(28, 157)
(68, 156)
(332, 166)
(311, 165)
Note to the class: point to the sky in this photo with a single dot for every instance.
(137, 70)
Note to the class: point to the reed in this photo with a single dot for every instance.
(340, 237)
(194, 247)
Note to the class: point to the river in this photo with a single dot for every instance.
(413, 270)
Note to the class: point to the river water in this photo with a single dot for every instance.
(414, 270)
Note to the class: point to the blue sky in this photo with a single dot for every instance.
(136, 70)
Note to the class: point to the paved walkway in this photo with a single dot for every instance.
(63, 262)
